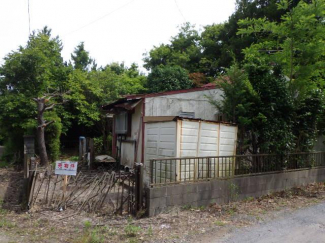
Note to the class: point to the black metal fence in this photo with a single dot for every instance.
(173, 170)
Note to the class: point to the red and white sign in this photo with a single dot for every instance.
(66, 168)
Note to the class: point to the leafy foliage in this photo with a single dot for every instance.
(274, 93)
(27, 73)
(184, 51)
(309, 119)
(53, 133)
(256, 98)
(279, 103)
(212, 50)
(81, 58)
(296, 43)
(164, 78)
(38, 69)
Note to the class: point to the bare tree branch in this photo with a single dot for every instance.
(50, 106)
(45, 124)
(55, 94)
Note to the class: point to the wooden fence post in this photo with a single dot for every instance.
(92, 152)
(138, 189)
(82, 149)
(29, 151)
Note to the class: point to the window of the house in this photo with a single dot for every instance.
(123, 123)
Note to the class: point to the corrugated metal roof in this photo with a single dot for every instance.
(141, 96)
(122, 104)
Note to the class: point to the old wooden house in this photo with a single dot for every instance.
(179, 123)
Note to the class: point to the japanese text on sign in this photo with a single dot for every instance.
(66, 168)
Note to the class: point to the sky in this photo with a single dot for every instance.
(112, 30)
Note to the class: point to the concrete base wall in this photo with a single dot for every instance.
(224, 190)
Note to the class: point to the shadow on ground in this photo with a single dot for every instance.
(11, 189)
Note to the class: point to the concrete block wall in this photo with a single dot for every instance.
(222, 191)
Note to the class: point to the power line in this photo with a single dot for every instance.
(104, 16)
(179, 10)
(28, 17)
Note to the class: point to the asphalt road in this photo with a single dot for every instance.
(301, 226)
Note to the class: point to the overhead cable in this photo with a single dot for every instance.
(96, 20)
(28, 18)
(179, 10)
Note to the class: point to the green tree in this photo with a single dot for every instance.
(89, 90)
(297, 45)
(32, 72)
(184, 51)
(309, 120)
(81, 58)
(165, 78)
(211, 50)
(208, 53)
(256, 98)
(34, 79)
(232, 45)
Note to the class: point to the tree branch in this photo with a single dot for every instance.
(50, 107)
(55, 94)
(45, 124)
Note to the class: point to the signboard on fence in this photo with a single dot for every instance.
(66, 168)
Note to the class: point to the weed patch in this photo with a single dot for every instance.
(219, 223)
(131, 230)
(5, 223)
(4, 164)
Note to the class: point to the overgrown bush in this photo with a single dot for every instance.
(13, 152)
(53, 133)
(98, 145)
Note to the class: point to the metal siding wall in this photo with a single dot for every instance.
(188, 148)
(160, 142)
(173, 105)
(194, 139)
(209, 139)
(151, 141)
(189, 138)
(167, 139)
(228, 139)
(203, 139)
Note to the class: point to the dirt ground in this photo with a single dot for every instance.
(184, 224)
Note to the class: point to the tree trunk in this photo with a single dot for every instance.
(40, 132)
(42, 124)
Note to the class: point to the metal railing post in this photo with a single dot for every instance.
(151, 171)
(181, 169)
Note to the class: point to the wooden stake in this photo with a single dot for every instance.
(65, 183)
